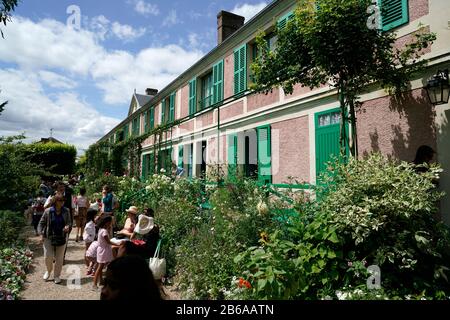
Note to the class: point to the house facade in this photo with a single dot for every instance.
(217, 122)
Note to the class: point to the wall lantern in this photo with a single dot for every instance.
(438, 88)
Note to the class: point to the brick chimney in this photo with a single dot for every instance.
(151, 92)
(227, 24)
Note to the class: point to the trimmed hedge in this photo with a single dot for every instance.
(54, 157)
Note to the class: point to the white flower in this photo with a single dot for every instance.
(212, 229)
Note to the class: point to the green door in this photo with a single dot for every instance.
(328, 129)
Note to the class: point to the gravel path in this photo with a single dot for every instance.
(38, 289)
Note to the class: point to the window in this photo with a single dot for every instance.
(136, 127)
(329, 119)
(149, 120)
(251, 155)
(120, 136)
(240, 69)
(207, 91)
(168, 109)
(394, 13)
(192, 96)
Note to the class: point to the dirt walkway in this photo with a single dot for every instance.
(38, 289)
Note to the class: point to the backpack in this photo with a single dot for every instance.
(39, 206)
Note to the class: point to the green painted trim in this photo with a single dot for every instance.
(265, 179)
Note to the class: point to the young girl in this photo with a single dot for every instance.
(104, 250)
(91, 258)
(89, 232)
(82, 204)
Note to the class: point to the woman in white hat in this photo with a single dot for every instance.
(130, 223)
(148, 231)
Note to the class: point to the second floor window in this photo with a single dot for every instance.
(207, 91)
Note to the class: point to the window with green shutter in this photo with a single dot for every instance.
(232, 155)
(192, 97)
(394, 13)
(172, 107)
(240, 69)
(206, 91)
(135, 129)
(218, 82)
(283, 21)
(264, 154)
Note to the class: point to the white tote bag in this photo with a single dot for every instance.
(157, 265)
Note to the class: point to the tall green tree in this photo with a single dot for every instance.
(6, 7)
(330, 42)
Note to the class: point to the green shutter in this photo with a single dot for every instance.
(144, 167)
(218, 82)
(240, 69)
(394, 13)
(146, 121)
(264, 154)
(126, 132)
(163, 111)
(282, 22)
(152, 118)
(151, 167)
(232, 155)
(138, 125)
(168, 164)
(192, 97)
(172, 107)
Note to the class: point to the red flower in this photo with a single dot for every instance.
(244, 283)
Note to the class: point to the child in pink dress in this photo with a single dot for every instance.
(104, 250)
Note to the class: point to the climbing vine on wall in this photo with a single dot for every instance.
(123, 157)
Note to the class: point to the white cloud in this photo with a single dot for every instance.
(249, 10)
(126, 32)
(103, 29)
(120, 72)
(145, 8)
(32, 111)
(100, 26)
(55, 80)
(171, 19)
(50, 45)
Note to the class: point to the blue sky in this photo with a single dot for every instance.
(79, 81)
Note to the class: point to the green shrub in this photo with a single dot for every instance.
(10, 225)
(19, 179)
(56, 158)
(371, 212)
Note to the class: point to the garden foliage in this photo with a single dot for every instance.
(58, 159)
(371, 212)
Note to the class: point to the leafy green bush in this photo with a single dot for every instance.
(18, 177)
(10, 225)
(371, 212)
(56, 158)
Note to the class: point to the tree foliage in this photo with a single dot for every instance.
(329, 43)
(5, 11)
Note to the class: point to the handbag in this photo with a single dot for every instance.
(57, 240)
(158, 265)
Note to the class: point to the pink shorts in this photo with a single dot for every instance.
(92, 251)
